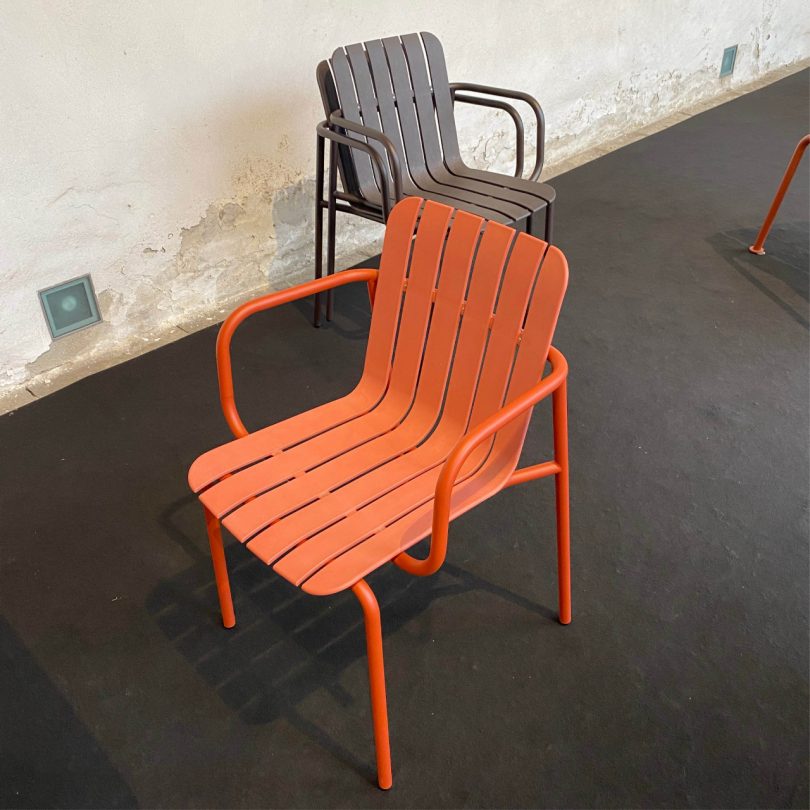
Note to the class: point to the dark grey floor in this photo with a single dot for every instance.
(683, 680)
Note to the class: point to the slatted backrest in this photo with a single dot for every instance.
(396, 85)
(480, 307)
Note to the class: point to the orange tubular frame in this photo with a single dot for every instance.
(269, 301)
(553, 384)
(759, 245)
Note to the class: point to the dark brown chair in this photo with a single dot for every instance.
(392, 134)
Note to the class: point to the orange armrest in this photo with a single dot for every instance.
(461, 452)
(484, 430)
(274, 299)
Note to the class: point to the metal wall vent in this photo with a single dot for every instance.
(729, 58)
(69, 306)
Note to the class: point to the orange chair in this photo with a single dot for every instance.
(463, 315)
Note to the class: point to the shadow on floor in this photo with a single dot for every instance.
(48, 757)
(287, 644)
(781, 274)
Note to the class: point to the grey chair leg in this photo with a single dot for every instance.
(330, 225)
(550, 222)
(319, 149)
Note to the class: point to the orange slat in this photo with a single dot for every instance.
(262, 510)
(393, 265)
(348, 568)
(518, 279)
(279, 538)
(346, 537)
(228, 494)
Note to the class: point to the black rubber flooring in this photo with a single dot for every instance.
(683, 680)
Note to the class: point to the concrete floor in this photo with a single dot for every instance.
(683, 679)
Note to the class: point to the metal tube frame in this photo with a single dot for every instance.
(334, 130)
(488, 101)
(759, 245)
(539, 116)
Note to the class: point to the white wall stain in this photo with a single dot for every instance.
(170, 153)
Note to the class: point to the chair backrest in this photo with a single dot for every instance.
(470, 307)
(398, 86)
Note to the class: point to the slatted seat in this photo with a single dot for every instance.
(460, 333)
(392, 132)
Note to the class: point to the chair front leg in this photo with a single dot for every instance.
(560, 416)
(220, 569)
(376, 678)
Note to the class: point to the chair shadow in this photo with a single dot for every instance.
(286, 645)
(785, 266)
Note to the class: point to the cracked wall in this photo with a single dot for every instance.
(168, 149)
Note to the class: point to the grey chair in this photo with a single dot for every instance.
(392, 134)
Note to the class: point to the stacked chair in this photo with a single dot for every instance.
(392, 134)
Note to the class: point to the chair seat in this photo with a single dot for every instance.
(500, 198)
(324, 528)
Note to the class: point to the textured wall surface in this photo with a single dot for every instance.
(168, 148)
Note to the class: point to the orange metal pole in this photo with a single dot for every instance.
(376, 679)
(759, 246)
(220, 569)
(560, 416)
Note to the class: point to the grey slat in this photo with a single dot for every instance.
(341, 70)
(512, 202)
(369, 98)
(372, 93)
(409, 126)
(449, 135)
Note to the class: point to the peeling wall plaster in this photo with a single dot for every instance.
(168, 149)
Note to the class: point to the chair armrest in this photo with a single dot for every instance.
(519, 96)
(461, 452)
(224, 370)
(514, 115)
(336, 119)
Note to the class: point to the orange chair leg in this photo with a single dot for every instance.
(560, 412)
(220, 569)
(376, 678)
(759, 246)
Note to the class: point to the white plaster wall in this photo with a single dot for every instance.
(168, 147)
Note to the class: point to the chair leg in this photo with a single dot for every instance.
(549, 222)
(376, 678)
(316, 318)
(759, 246)
(560, 415)
(330, 225)
(220, 569)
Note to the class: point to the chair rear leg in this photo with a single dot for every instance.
(376, 678)
(330, 225)
(319, 149)
(560, 415)
(220, 569)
